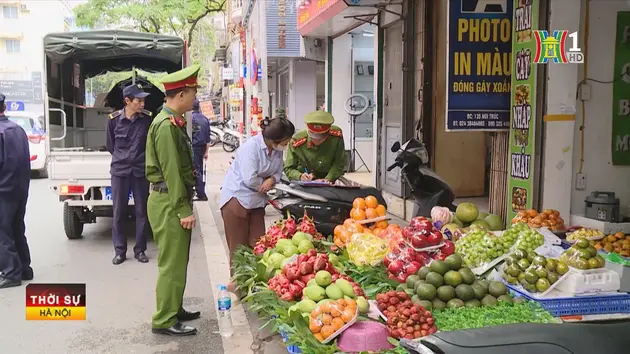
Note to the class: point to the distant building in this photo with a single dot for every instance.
(23, 25)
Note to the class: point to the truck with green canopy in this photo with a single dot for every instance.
(79, 161)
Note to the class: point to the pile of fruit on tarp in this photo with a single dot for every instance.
(304, 285)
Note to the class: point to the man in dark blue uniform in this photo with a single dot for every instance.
(15, 177)
(126, 140)
(200, 141)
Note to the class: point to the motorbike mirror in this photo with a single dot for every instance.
(396, 147)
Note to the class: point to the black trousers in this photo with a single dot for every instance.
(15, 257)
(121, 186)
(200, 184)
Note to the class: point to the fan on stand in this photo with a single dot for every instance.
(354, 107)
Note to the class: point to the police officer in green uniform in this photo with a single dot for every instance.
(169, 169)
(317, 153)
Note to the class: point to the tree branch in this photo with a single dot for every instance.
(143, 27)
(155, 24)
(170, 21)
(194, 21)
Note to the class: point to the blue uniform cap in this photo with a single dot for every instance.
(134, 91)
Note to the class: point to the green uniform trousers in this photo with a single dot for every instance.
(173, 243)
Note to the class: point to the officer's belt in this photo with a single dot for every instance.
(159, 187)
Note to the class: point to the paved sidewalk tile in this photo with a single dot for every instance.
(217, 165)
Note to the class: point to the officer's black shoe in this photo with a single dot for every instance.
(27, 274)
(118, 259)
(184, 315)
(177, 329)
(142, 258)
(201, 199)
(9, 283)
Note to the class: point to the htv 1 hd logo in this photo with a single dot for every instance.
(552, 48)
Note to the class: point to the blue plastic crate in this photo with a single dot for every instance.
(292, 349)
(581, 305)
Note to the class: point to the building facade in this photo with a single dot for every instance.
(23, 24)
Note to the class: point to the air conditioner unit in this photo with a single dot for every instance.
(23, 7)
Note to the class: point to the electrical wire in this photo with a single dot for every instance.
(585, 75)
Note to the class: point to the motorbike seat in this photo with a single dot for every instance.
(530, 338)
(346, 195)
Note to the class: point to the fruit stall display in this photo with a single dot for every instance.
(618, 243)
(393, 282)
(547, 218)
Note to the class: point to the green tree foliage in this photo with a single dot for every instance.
(179, 18)
(182, 18)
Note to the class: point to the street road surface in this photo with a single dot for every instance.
(120, 299)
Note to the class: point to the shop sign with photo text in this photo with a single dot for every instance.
(523, 116)
(313, 13)
(479, 65)
(621, 93)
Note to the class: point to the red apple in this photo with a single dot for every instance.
(448, 248)
(422, 258)
(419, 241)
(407, 254)
(407, 233)
(434, 238)
(412, 267)
(396, 266)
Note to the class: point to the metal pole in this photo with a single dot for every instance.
(133, 75)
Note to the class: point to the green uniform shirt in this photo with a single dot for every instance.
(169, 160)
(326, 161)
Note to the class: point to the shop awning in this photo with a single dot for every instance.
(324, 18)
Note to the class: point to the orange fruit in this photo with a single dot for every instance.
(319, 337)
(338, 323)
(341, 302)
(347, 315)
(315, 326)
(350, 303)
(381, 224)
(371, 201)
(335, 311)
(338, 230)
(326, 319)
(327, 331)
(359, 203)
(357, 214)
(339, 242)
(377, 231)
(345, 236)
(316, 312)
(355, 228)
(371, 213)
(324, 308)
(348, 222)
(380, 210)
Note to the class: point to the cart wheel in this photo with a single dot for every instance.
(229, 147)
(72, 225)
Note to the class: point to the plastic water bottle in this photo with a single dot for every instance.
(224, 315)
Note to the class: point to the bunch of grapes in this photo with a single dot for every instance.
(479, 247)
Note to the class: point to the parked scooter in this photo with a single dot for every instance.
(225, 132)
(328, 205)
(526, 338)
(427, 188)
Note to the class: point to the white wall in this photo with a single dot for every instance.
(302, 91)
(342, 82)
(601, 175)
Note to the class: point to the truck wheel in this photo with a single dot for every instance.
(72, 225)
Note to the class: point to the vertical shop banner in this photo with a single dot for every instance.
(479, 65)
(621, 93)
(522, 119)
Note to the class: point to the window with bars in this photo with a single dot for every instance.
(10, 12)
(12, 46)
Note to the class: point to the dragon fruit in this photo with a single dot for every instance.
(307, 225)
(290, 226)
(270, 238)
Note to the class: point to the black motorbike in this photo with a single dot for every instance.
(427, 188)
(329, 205)
(568, 338)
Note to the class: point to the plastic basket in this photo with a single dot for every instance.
(581, 305)
(599, 280)
(292, 349)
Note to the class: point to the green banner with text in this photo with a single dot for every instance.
(523, 108)
(621, 93)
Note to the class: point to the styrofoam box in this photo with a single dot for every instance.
(624, 275)
(591, 281)
(605, 227)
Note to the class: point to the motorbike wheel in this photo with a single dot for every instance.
(214, 139)
(229, 146)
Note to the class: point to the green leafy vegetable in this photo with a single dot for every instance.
(453, 319)
(372, 279)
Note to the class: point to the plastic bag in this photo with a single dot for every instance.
(534, 273)
(366, 249)
(404, 261)
(393, 235)
(343, 233)
(480, 247)
(582, 255)
(331, 317)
